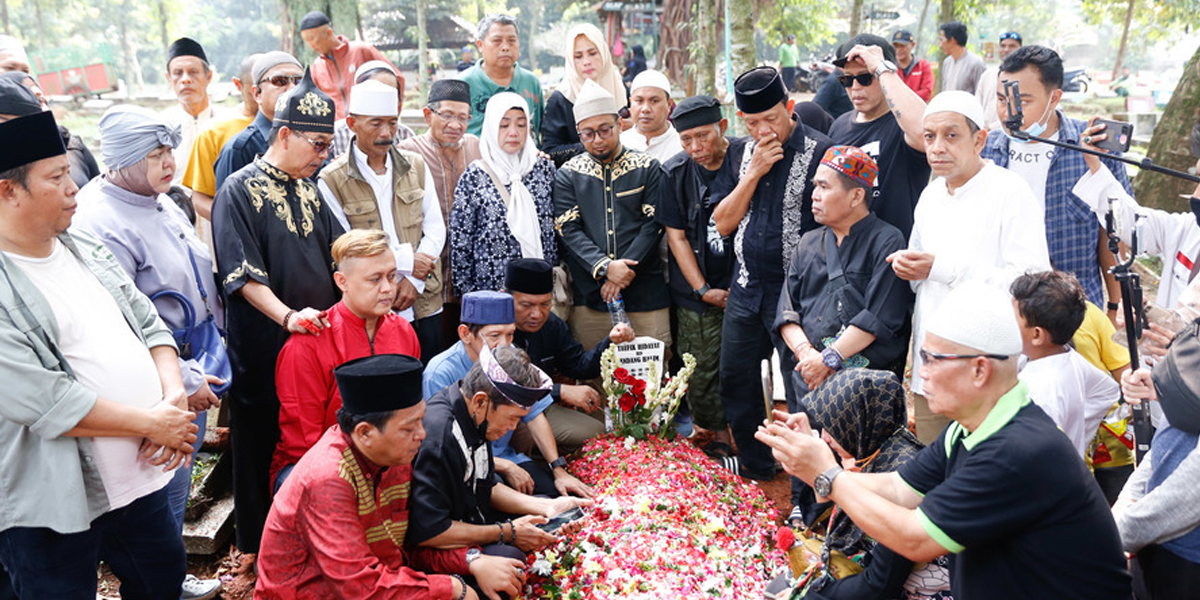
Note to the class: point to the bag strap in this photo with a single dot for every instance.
(199, 281)
(189, 312)
(496, 180)
(833, 265)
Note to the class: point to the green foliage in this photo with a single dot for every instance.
(1153, 21)
(810, 20)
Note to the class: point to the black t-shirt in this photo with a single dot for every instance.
(903, 172)
(684, 204)
(1019, 506)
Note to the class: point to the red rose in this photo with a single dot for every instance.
(639, 387)
(627, 402)
(785, 538)
(641, 399)
(621, 374)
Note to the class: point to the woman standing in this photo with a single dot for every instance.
(153, 241)
(587, 57)
(503, 206)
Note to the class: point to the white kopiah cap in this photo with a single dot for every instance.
(373, 98)
(978, 316)
(594, 100)
(651, 78)
(956, 101)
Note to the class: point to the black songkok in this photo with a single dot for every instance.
(29, 139)
(758, 90)
(305, 108)
(529, 276)
(696, 112)
(185, 47)
(454, 90)
(380, 383)
(313, 20)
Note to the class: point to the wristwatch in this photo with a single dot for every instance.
(832, 359)
(701, 291)
(472, 554)
(823, 485)
(886, 66)
(559, 462)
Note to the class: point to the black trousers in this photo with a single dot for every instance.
(253, 434)
(746, 339)
(1159, 574)
(429, 335)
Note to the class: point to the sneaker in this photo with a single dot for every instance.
(195, 588)
(733, 465)
(683, 426)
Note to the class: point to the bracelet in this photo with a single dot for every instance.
(500, 526)
(463, 584)
(288, 317)
(1113, 306)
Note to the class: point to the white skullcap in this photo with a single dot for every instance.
(371, 65)
(978, 316)
(956, 101)
(373, 98)
(13, 47)
(651, 78)
(594, 100)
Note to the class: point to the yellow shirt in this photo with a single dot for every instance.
(199, 174)
(1094, 341)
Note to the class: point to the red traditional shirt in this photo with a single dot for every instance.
(337, 530)
(334, 73)
(308, 393)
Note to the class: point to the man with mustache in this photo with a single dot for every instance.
(375, 185)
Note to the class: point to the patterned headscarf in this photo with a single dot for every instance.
(863, 410)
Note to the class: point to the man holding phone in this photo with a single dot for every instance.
(1077, 243)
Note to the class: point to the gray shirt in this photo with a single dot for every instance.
(150, 238)
(962, 73)
(50, 480)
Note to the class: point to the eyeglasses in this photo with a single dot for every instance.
(1011, 35)
(282, 80)
(863, 79)
(603, 132)
(453, 118)
(933, 357)
(319, 145)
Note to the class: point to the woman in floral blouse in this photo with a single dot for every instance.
(503, 205)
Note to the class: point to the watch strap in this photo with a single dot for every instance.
(823, 485)
(702, 290)
(559, 462)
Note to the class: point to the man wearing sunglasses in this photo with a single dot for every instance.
(1001, 488)
(986, 90)
(273, 236)
(604, 205)
(886, 124)
(274, 73)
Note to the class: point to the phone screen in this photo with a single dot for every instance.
(561, 519)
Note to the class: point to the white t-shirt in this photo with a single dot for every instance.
(1031, 160)
(107, 358)
(1073, 392)
(661, 147)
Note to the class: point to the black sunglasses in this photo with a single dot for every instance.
(932, 357)
(863, 79)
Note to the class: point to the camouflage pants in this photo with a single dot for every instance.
(700, 334)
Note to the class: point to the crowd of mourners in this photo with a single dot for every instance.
(406, 330)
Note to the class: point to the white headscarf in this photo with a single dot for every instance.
(609, 77)
(509, 168)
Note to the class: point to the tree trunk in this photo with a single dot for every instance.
(1124, 40)
(479, 11)
(741, 42)
(162, 24)
(674, 39)
(535, 22)
(1170, 148)
(288, 39)
(133, 69)
(921, 25)
(947, 11)
(4, 15)
(703, 47)
(41, 26)
(856, 16)
(422, 54)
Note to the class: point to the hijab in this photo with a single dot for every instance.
(864, 410)
(509, 169)
(609, 77)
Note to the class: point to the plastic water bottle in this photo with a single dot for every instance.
(616, 310)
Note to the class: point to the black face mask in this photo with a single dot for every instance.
(1196, 209)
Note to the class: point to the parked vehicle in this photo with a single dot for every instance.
(75, 72)
(819, 70)
(1076, 80)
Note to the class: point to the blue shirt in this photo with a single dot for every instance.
(452, 365)
(1071, 227)
(241, 149)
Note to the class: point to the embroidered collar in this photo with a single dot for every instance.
(271, 170)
